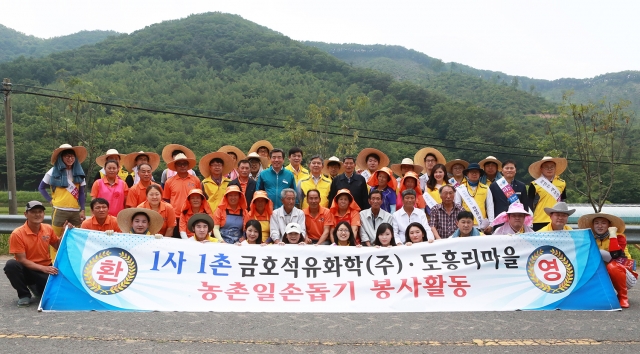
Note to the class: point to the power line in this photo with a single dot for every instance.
(151, 110)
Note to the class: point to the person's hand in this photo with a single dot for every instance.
(50, 270)
(302, 243)
(238, 244)
(307, 240)
(408, 244)
(488, 229)
(264, 244)
(82, 216)
(358, 246)
(158, 236)
(281, 243)
(109, 232)
(67, 224)
(377, 246)
(368, 244)
(430, 241)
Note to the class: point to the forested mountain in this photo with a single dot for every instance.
(215, 79)
(408, 64)
(14, 44)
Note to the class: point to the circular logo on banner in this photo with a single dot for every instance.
(550, 270)
(110, 271)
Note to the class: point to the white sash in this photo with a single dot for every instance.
(71, 188)
(473, 205)
(549, 187)
(429, 200)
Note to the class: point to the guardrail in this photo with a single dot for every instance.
(8, 223)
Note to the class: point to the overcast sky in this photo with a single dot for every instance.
(540, 39)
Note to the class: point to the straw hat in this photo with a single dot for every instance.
(419, 157)
(586, 221)
(259, 144)
(325, 169)
(172, 165)
(450, 164)
(397, 167)
(168, 150)
(129, 161)
(102, 159)
(230, 148)
(203, 165)
(560, 207)
(199, 217)
(491, 159)
(561, 165)
(80, 151)
(263, 160)
(125, 216)
(361, 160)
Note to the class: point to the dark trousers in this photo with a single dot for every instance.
(176, 230)
(21, 276)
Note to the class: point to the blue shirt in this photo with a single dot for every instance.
(273, 183)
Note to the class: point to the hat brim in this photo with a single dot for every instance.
(496, 161)
(534, 168)
(129, 161)
(199, 217)
(203, 165)
(168, 150)
(586, 221)
(172, 165)
(102, 159)
(569, 212)
(419, 157)
(466, 171)
(125, 215)
(325, 168)
(450, 164)
(260, 143)
(361, 160)
(80, 151)
(397, 168)
(230, 148)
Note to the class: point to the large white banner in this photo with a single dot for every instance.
(560, 270)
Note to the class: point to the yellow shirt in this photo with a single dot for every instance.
(435, 194)
(214, 192)
(308, 183)
(61, 198)
(549, 229)
(480, 197)
(300, 175)
(546, 200)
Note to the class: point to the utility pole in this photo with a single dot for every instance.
(11, 161)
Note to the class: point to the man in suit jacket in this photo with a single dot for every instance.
(352, 181)
(243, 181)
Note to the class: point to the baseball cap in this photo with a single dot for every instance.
(34, 204)
(293, 227)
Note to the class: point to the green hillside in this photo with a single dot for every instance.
(215, 79)
(14, 44)
(408, 64)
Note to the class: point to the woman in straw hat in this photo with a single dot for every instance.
(262, 148)
(229, 216)
(214, 167)
(405, 166)
(139, 221)
(195, 204)
(344, 208)
(547, 188)
(169, 153)
(133, 161)
(236, 156)
(456, 170)
(201, 225)
(428, 157)
(608, 231)
(111, 187)
(261, 210)
(67, 184)
(154, 202)
(383, 181)
(177, 188)
(112, 154)
(369, 161)
(138, 192)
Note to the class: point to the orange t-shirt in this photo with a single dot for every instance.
(220, 215)
(137, 194)
(352, 217)
(167, 213)
(315, 226)
(34, 246)
(177, 189)
(111, 223)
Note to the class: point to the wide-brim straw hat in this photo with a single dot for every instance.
(451, 163)
(560, 207)
(181, 157)
(230, 148)
(491, 159)
(199, 217)
(203, 165)
(397, 167)
(258, 144)
(561, 165)
(125, 215)
(129, 161)
(586, 221)
(361, 160)
(168, 150)
(325, 168)
(102, 159)
(419, 157)
(80, 151)
(263, 160)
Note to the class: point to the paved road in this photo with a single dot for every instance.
(25, 330)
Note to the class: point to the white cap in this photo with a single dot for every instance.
(293, 227)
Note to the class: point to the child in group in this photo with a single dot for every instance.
(384, 236)
(201, 226)
(415, 233)
(465, 225)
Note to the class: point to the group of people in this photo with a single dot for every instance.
(255, 199)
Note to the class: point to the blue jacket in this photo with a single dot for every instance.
(273, 183)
